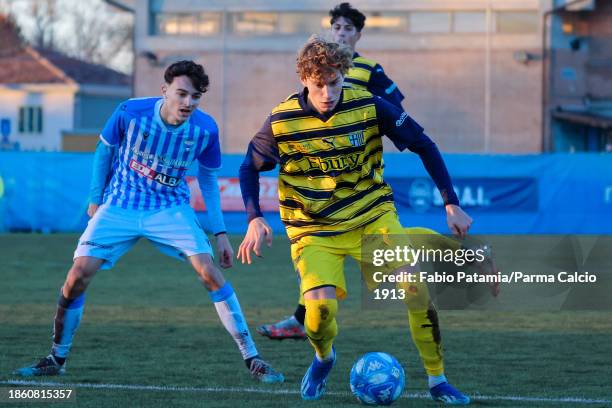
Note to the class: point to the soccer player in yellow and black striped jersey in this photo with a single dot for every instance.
(327, 141)
(346, 25)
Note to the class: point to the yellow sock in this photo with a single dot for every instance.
(425, 333)
(320, 324)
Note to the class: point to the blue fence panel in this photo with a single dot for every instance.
(546, 194)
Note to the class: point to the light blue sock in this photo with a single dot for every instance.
(228, 309)
(436, 380)
(67, 319)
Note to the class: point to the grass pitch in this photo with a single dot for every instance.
(150, 329)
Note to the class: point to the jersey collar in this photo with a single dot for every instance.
(303, 100)
(158, 119)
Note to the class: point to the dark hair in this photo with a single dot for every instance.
(194, 71)
(347, 11)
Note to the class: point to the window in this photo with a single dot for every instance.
(390, 22)
(469, 22)
(269, 23)
(430, 22)
(517, 22)
(198, 24)
(30, 119)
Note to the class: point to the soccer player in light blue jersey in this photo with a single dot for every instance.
(144, 152)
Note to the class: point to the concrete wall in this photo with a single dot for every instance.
(444, 89)
(443, 76)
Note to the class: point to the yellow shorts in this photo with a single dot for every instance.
(319, 261)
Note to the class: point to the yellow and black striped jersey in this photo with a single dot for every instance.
(331, 168)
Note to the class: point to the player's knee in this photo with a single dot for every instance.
(415, 295)
(79, 276)
(320, 315)
(210, 275)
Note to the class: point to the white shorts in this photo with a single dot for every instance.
(113, 230)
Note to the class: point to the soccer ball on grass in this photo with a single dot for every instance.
(377, 379)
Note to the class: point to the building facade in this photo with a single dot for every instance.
(577, 101)
(470, 69)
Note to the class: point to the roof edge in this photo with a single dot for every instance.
(120, 5)
(49, 65)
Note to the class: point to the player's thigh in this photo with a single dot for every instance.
(379, 253)
(427, 238)
(177, 232)
(110, 233)
(319, 261)
(385, 232)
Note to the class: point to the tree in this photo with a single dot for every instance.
(90, 30)
(44, 15)
(98, 34)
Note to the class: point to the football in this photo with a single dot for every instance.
(377, 379)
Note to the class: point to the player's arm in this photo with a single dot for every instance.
(110, 137)
(381, 85)
(262, 155)
(209, 162)
(408, 134)
(103, 158)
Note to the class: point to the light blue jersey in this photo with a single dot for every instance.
(148, 171)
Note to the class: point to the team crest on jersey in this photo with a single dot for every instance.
(188, 144)
(356, 138)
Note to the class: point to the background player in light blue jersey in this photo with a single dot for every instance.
(144, 152)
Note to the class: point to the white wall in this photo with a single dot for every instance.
(57, 103)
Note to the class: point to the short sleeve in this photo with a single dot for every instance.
(115, 126)
(211, 155)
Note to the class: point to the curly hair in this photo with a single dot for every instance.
(347, 11)
(194, 71)
(318, 58)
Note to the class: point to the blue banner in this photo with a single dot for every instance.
(476, 194)
(505, 194)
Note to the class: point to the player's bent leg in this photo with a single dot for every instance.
(425, 331)
(208, 273)
(80, 275)
(67, 318)
(429, 238)
(291, 327)
(321, 328)
(228, 308)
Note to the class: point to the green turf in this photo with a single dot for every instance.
(149, 322)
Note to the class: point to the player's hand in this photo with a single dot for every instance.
(225, 251)
(258, 230)
(91, 209)
(458, 221)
